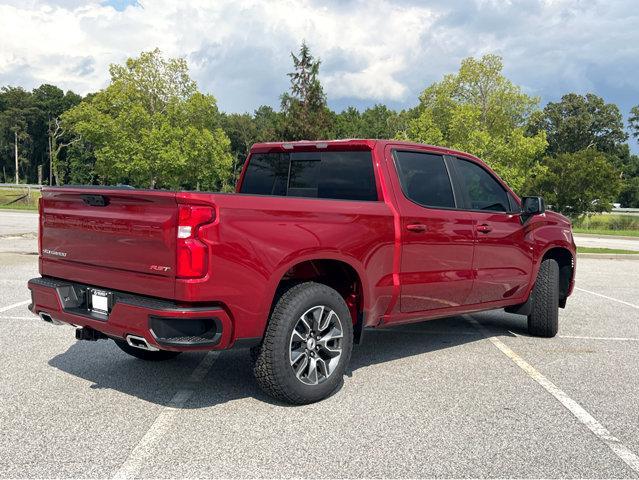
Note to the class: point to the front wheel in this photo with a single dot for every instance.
(307, 345)
(543, 320)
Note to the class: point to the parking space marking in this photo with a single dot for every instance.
(612, 442)
(8, 317)
(612, 339)
(606, 296)
(15, 305)
(140, 455)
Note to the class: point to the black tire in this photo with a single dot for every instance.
(272, 366)
(145, 354)
(543, 320)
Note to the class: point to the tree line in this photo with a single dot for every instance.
(151, 127)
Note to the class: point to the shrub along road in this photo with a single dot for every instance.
(467, 396)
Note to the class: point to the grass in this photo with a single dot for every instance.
(8, 195)
(608, 224)
(615, 251)
(601, 231)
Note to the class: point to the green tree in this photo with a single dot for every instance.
(17, 114)
(379, 121)
(306, 116)
(633, 120)
(151, 127)
(348, 124)
(50, 139)
(629, 195)
(242, 132)
(480, 111)
(269, 124)
(578, 183)
(578, 122)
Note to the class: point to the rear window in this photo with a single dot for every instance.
(337, 175)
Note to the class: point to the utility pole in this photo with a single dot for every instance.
(15, 136)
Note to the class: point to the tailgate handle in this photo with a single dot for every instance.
(95, 200)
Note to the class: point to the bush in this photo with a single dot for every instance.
(608, 222)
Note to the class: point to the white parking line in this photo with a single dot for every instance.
(618, 448)
(141, 454)
(606, 296)
(614, 339)
(7, 317)
(15, 305)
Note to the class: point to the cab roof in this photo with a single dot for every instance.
(349, 144)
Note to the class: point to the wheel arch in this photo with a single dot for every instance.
(566, 261)
(345, 275)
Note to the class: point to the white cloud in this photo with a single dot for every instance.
(372, 51)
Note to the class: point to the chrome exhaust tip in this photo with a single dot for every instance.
(47, 318)
(140, 342)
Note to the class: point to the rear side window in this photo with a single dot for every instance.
(337, 175)
(267, 174)
(424, 179)
(481, 189)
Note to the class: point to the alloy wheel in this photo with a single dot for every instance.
(316, 345)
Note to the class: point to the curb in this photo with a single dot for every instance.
(609, 256)
(604, 236)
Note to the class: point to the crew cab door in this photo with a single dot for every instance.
(503, 253)
(436, 238)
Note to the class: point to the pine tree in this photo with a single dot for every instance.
(306, 115)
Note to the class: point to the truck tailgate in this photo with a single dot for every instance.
(111, 236)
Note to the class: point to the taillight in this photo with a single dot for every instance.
(40, 225)
(192, 254)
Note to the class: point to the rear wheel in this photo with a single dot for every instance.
(145, 354)
(307, 345)
(543, 320)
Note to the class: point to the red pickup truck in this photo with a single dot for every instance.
(320, 241)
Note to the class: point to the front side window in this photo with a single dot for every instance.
(338, 175)
(424, 179)
(481, 189)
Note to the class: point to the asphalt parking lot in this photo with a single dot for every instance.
(460, 397)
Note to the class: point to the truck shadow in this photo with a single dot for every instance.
(230, 378)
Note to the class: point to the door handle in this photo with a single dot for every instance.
(416, 227)
(485, 228)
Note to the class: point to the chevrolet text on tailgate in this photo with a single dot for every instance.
(320, 241)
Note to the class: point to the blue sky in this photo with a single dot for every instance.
(120, 5)
(373, 51)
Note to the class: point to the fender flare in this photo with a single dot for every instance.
(295, 259)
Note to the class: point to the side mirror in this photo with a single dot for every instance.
(532, 206)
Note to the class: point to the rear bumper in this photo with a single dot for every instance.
(163, 324)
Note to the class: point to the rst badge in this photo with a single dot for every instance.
(159, 268)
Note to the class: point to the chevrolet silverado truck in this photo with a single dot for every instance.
(320, 241)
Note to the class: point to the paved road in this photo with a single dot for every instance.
(17, 223)
(607, 241)
(18, 232)
(441, 398)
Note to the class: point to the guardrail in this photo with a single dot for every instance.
(634, 211)
(23, 186)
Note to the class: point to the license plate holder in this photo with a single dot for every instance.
(100, 301)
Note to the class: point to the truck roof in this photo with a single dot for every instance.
(349, 144)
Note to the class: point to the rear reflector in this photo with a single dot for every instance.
(192, 254)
